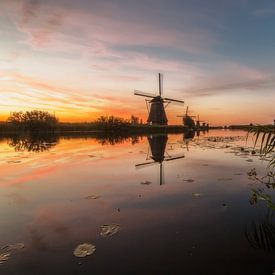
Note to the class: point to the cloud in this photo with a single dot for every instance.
(253, 85)
(265, 12)
(35, 19)
(103, 25)
(29, 10)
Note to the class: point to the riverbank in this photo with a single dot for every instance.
(6, 128)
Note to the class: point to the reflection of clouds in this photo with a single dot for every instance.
(38, 240)
(47, 229)
(17, 198)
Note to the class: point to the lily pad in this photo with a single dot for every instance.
(84, 249)
(189, 180)
(252, 172)
(109, 229)
(146, 182)
(7, 250)
(4, 257)
(92, 197)
(196, 195)
(12, 247)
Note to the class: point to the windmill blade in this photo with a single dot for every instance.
(145, 164)
(160, 84)
(174, 100)
(136, 92)
(179, 156)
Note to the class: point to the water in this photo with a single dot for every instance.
(182, 205)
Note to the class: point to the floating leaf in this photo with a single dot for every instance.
(4, 257)
(189, 180)
(92, 197)
(109, 229)
(84, 249)
(196, 195)
(12, 247)
(252, 172)
(146, 182)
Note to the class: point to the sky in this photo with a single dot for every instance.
(83, 59)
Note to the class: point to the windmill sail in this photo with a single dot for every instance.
(140, 93)
(157, 113)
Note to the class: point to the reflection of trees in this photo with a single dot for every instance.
(261, 234)
(116, 139)
(33, 143)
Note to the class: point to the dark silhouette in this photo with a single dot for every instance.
(33, 142)
(157, 145)
(33, 121)
(261, 234)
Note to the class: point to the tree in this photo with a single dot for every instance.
(134, 119)
(33, 120)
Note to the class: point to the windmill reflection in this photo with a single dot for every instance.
(157, 153)
(33, 143)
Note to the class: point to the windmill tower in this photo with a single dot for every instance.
(157, 104)
(198, 123)
(188, 120)
(158, 155)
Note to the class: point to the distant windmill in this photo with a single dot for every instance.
(200, 124)
(188, 120)
(155, 106)
(158, 154)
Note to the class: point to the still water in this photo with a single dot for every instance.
(182, 205)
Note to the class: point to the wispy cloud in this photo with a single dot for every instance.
(252, 85)
(265, 12)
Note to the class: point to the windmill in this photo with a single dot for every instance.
(157, 104)
(157, 145)
(201, 125)
(198, 123)
(188, 120)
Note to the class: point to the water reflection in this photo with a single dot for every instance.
(261, 234)
(105, 139)
(43, 202)
(33, 143)
(157, 152)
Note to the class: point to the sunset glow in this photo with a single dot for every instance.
(83, 59)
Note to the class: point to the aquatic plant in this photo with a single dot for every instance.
(84, 249)
(261, 234)
(109, 229)
(266, 136)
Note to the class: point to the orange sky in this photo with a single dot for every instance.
(84, 59)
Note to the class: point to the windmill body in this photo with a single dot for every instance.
(157, 104)
(188, 120)
(157, 113)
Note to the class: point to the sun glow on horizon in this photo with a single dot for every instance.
(85, 59)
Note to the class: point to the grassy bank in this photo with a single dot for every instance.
(6, 128)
